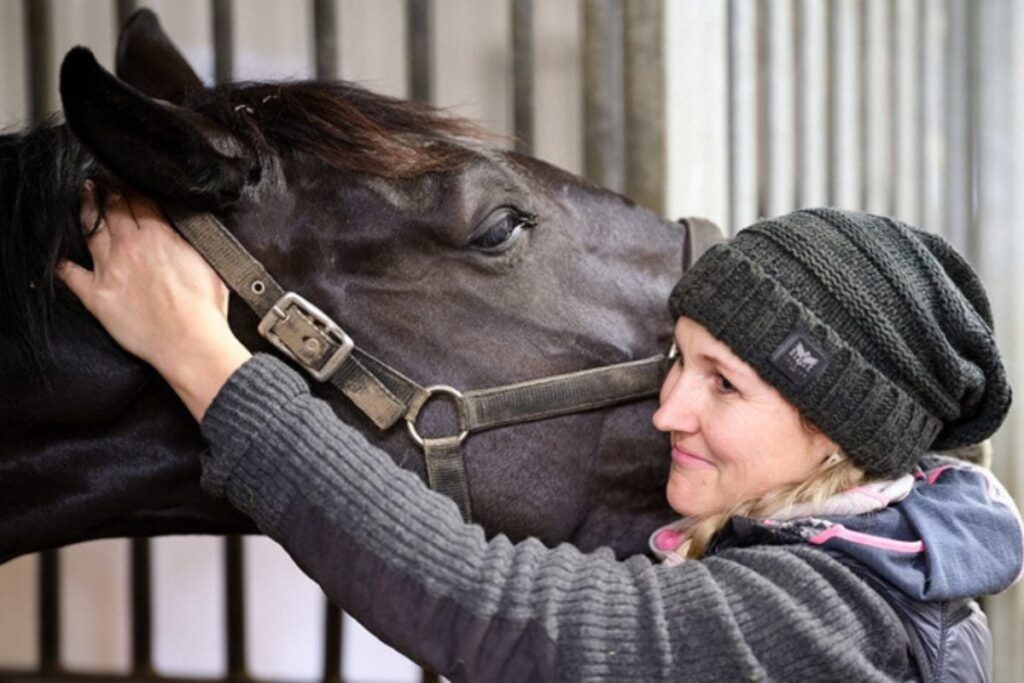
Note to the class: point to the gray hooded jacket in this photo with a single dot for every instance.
(398, 558)
(928, 543)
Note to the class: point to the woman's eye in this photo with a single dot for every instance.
(724, 385)
(503, 229)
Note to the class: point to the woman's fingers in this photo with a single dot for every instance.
(120, 219)
(94, 229)
(78, 279)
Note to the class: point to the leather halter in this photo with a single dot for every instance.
(320, 346)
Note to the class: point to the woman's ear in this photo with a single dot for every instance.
(160, 149)
(833, 458)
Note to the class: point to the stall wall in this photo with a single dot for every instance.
(909, 108)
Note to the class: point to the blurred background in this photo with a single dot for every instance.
(727, 109)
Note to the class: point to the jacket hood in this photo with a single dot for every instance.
(948, 530)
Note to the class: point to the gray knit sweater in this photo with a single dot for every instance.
(398, 558)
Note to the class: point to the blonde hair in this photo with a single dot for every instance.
(823, 483)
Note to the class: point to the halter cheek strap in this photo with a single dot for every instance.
(308, 336)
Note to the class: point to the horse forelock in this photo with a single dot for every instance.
(345, 126)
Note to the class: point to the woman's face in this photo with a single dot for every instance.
(733, 435)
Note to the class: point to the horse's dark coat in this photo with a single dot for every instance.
(103, 447)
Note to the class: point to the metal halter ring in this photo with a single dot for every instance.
(437, 389)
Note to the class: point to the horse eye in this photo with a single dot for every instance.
(502, 229)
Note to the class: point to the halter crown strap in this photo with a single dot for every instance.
(300, 330)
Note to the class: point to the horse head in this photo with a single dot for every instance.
(451, 259)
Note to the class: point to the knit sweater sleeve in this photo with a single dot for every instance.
(398, 557)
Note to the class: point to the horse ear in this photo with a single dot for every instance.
(159, 149)
(148, 60)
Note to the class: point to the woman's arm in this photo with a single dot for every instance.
(398, 556)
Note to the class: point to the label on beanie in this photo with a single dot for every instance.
(800, 358)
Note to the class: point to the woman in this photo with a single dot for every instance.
(822, 355)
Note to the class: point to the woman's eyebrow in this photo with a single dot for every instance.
(714, 359)
(724, 364)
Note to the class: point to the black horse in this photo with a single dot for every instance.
(449, 258)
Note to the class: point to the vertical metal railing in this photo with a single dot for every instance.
(141, 548)
(522, 75)
(604, 113)
(38, 30)
(959, 140)
(325, 39)
(39, 67)
(49, 611)
(223, 41)
(142, 608)
(762, 106)
(124, 9)
(644, 95)
(624, 149)
(831, 103)
(325, 51)
(419, 50)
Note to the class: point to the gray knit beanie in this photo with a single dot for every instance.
(880, 334)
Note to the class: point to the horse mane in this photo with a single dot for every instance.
(344, 125)
(42, 170)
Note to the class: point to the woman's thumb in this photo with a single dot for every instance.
(74, 276)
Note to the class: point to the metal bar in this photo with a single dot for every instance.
(935, 61)
(920, 125)
(974, 242)
(801, 101)
(645, 102)
(958, 128)
(863, 111)
(7, 676)
(40, 75)
(332, 643)
(142, 612)
(831, 103)
(49, 611)
(731, 109)
(522, 75)
(419, 22)
(124, 10)
(325, 36)
(603, 110)
(763, 107)
(234, 585)
(223, 42)
(892, 60)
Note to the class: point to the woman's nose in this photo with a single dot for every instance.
(679, 409)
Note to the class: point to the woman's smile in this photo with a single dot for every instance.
(689, 460)
(733, 435)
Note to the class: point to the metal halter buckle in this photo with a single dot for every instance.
(438, 389)
(307, 335)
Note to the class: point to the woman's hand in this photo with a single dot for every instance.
(157, 297)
